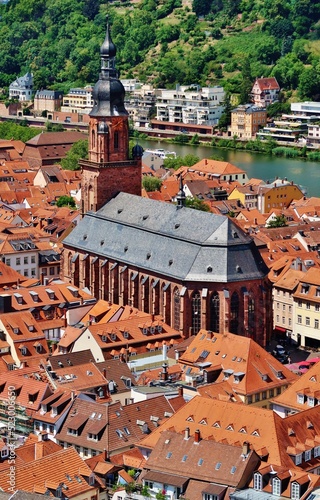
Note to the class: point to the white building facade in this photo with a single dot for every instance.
(21, 88)
(191, 105)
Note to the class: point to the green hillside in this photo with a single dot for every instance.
(165, 42)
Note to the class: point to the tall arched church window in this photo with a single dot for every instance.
(215, 313)
(251, 315)
(176, 309)
(234, 313)
(196, 312)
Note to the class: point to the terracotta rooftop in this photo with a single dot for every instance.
(246, 366)
(224, 422)
(303, 393)
(186, 457)
(64, 464)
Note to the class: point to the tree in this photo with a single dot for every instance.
(197, 204)
(79, 150)
(277, 221)
(201, 7)
(309, 84)
(66, 201)
(225, 119)
(151, 183)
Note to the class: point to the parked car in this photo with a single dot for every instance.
(281, 354)
(279, 351)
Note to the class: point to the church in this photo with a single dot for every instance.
(195, 269)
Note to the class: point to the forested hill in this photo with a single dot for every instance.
(164, 42)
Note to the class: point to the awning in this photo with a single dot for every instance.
(85, 256)
(123, 269)
(113, 266)
(154, 284)
(133, 276)
(94, 260)
(104, 262)
(280, 329)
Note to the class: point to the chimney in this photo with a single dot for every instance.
(245, 449)
(164, 352)
(197, 436)
(164, 373)
(206, 161)
(72, 395)
(187, 433)
(152, 317)
(180, 391)
(209, 334)
(38, 449)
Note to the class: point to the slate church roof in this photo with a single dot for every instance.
(160, 238)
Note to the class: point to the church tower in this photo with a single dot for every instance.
(109, 169)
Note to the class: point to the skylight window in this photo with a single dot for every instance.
(218, 465)
(233, 469)
(204, 354)
(169, 454)
(184, 458)
(200, 462)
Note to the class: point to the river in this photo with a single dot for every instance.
(260, 166)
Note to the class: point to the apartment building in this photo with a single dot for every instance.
(78, 99)
(190, 105)
(246, 120)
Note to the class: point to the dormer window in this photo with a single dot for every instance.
(257, 481)
(237, 377)
(305, 288)
(93, 437)
(310, 401)
(72, 432)
(300, 399)
(276, 486)
(295, 490)
(298, 459)
(34, 296)
(31, 328)
(307, 455)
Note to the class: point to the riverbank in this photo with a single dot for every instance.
(269, 147)
(257, 165)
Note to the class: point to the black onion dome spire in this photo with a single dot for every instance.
(108, 48)
(108, 93)
(181, 196)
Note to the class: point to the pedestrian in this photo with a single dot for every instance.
(289, 360)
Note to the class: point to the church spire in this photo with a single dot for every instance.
(108, 93)
(181, 196)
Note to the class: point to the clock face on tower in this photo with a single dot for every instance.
(117, 123)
